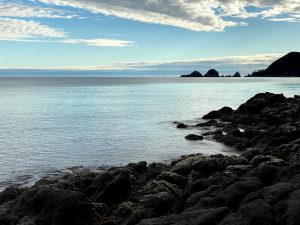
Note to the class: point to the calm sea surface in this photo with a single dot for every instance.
(49, 125)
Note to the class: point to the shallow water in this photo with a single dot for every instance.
(50, 124)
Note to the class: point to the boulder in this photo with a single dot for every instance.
(182, 126)
(174, 178)
(9, 194)
(46, 205)
(139, 167)
(117, 190)
(194, 137)
(199, 163)
(190, 217)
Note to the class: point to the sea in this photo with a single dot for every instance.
(54, 125)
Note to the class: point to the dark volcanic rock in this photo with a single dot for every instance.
(182, 126)
(48, 205)
(212, 73)
(237, 74)
(219, 113)
(10, 194)
(190, 217)
(193, 74)
(194, 137)
(207, 123)
(260, 186)
(117, 189)
(286, 66)
(270, 123)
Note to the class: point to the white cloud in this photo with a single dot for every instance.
(8, 9)
(225, 65)
(89, 42)
(16, 28)
(99, 42)
(188, 14)
(198, 15)
(244, 64)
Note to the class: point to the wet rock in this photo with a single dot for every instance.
(194, 137)
(207, 123)
(139, 167)
(218, 114)
(9, 194)
(45, 204)
(117, 189)
(174, 178)
(182, 126)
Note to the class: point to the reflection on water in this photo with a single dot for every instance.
(50, 124)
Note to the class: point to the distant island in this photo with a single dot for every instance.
(286, 66)
(210, 73)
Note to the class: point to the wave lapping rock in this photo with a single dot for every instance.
(192, 190)
(260, 186)
(268, 124)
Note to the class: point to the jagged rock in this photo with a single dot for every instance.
(218, 114)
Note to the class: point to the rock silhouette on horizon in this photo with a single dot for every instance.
(193, 74)
(212, 73)
(286, 66)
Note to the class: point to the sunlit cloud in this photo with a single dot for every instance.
(16, 28)
(226, 65)
(19, 10)
(88, 42)
(198, 15)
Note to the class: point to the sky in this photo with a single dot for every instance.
(147, 35)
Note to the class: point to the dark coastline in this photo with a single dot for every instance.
(261, 186)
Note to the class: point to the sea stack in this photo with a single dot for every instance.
(212, 73)
(193, 74)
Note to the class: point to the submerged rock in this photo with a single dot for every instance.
(194, 137)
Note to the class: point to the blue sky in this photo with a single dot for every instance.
(149, 34)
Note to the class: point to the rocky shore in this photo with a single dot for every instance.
(260, 186)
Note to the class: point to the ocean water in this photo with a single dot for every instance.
(49, 125)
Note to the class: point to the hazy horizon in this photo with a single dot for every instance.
(146, 35)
